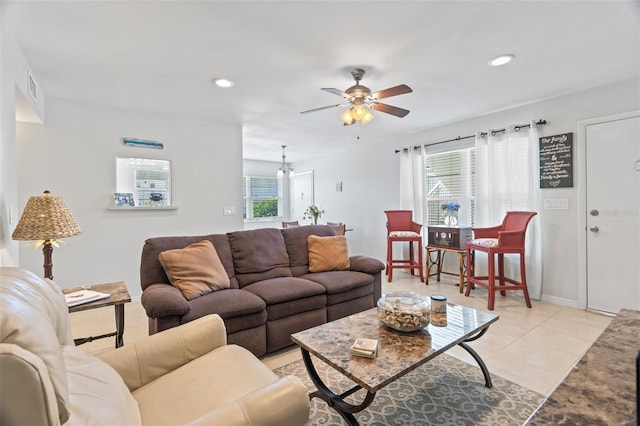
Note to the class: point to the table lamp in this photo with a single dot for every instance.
(44, 220)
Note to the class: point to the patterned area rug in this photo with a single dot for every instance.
(444, 391)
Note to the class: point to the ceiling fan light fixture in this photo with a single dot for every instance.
(368, 116)
(347, 116)
(359, 111)
(360, 101)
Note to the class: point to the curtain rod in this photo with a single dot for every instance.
(517, 128)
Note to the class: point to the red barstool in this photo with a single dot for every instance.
(402, 228)
(500, 240)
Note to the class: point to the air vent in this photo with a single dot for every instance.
(31, 87)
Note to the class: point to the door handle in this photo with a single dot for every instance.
(594, 229)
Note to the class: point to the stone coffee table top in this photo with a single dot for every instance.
(398, 352)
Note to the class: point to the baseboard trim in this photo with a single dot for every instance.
(560, 301)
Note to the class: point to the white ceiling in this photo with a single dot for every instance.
(161, 56)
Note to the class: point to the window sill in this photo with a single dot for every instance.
(129, 208)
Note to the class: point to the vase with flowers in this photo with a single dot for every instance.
(313, 212)
(451, 212)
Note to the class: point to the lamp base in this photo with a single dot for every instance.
(47, 250)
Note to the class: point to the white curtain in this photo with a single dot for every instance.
(412, 182)
(507, 179)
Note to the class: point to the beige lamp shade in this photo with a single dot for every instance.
(46, 218)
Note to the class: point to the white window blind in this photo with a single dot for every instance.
(450, 178)
(262, 197)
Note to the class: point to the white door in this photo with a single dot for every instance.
(613, 214)
(301, 195)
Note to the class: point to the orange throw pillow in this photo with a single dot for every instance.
(195, 270)
(328, 253)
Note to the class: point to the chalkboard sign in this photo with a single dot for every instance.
(556, 161)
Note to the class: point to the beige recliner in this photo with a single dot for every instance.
(185, 375)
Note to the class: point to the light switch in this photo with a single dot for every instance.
(556, 203)
(13, 217)
(229, 210)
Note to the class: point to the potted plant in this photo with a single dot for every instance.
(451, 211)
(313, 212)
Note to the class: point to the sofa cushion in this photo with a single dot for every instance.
(340, 281)
(328, 253)
(97, 393)
(342, 286)
(196, 269)
(296, 242)
(258, 255)
(219, 377)
(239, 309)
(288, 296)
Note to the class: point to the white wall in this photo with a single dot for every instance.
(370, 176)
(14, 70)
(73, 155)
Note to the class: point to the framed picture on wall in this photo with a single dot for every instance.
(123, 199)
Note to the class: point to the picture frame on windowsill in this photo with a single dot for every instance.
(121, 199)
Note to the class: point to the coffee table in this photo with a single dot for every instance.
(398, 352)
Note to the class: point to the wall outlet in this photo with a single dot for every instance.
(229, 210)
(556, 203)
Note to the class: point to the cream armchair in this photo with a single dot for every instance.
(185, 375)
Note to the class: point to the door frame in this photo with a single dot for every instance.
(581, 213)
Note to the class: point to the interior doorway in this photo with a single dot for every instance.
(611, 212)
(301, 195)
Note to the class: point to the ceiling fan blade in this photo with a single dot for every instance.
(391, 91)
(398, 112)
(336, 92)
(321, 108)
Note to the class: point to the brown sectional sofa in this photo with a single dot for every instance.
(272, 293)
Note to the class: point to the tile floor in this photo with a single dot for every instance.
(535, 348)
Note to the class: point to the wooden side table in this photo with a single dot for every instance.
(445, 239)
(440, 252)
(118, 296)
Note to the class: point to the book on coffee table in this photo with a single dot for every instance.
(367, 348)
(83, 296)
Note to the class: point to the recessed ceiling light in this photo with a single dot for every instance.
(501, 60)
(223, 82)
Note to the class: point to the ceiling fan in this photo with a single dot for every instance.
(361, 99)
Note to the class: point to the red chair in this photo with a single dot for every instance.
(401, 227)
(506, 238)
(338, 227)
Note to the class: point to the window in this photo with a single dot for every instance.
(450, 177)
(262, 197)
(147, 180)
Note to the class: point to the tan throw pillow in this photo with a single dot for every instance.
(195, 270)
(328, 253)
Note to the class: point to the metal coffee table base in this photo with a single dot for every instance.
(345, 409)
